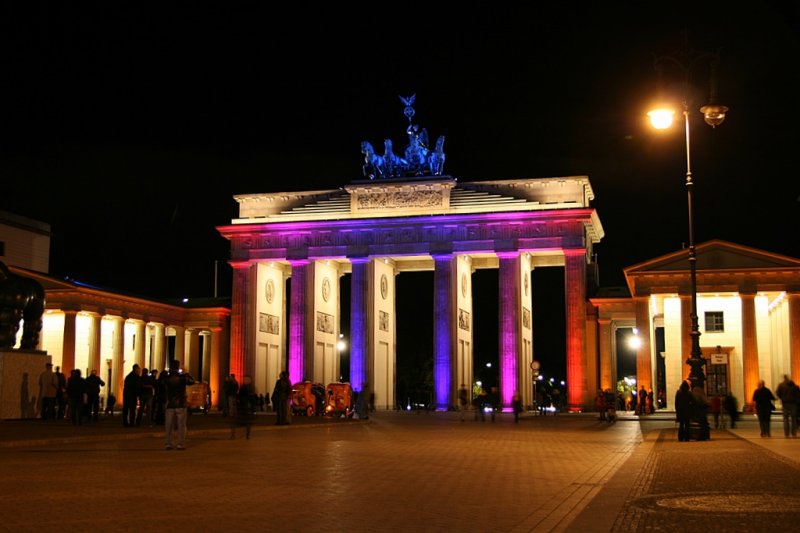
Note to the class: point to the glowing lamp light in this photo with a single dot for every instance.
(634, 342)
(661, 118)
(341, 345)
(488, 365)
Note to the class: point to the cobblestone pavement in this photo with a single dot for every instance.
(396, 472)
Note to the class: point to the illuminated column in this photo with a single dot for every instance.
(794, 334)
(606, 368)
(644, 369)
(239, 317)
(592, 355)
(359, 321)
(686, 329)
(68, 357)
(443, 330)
(749, 349)
(159, 347)
(575, 288)
(180, 345)
(508, 340)
(118, 356)
(214, 368)
(138, 345)
(298, 318)
(94, 344)
(192, 364)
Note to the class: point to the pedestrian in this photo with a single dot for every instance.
(231, 394)
(280, 398)
(600, 404)
(731, 407)
(763, 398)
(462, 401)
(130, 395)
(48, 388)
(147, 394)
(76, 394)
(683, 410)
(789, 394)
(516, 405)
(716, 409)
(175, 413)
(93, 384)
(700, 412)
(61, 395)
(246, 400)
(642, 401)
(651, 406)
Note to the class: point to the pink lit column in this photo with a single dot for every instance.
(575, 288)
(298, 319)
(239, 318)
(359, 322)
(508, 340)
(443, 330)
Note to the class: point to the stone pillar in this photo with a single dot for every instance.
(592, 356)
(192, 362)
(644, 367)
(180, 346)
(118, 356)
(138, 345)
(509, 321)
(95, 331)
(239, 317)
(159, 347)
(68, 357)
(686, 330)
(794, 334)
(750, 372)
(606, 369)
(214, 366)
(443, 333)
(359, 322)
(575, 288)
(299, 323)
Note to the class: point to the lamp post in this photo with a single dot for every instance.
(661, 118)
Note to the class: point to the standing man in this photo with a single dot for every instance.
(130, 396)
(280, 398)
(175, 413)
(93, 384)
(61, 395)
(48, 388)
(231, 394)
(462, 400)
(789, 394)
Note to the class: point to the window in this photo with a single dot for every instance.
(714, 322)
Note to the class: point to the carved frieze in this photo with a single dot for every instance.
(403, 199)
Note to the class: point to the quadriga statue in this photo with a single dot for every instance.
(21, 298)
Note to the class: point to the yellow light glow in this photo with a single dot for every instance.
(634, 342)
(661, 118)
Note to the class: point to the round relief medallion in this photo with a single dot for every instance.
(326, 289)
(384, 286)
(270, 291)
(464, 285)
(525, 282)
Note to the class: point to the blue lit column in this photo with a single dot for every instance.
(509, 325)
(444, 322)
(359, 322)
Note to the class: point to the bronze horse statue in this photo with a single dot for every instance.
(21, 298)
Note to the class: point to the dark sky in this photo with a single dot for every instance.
(130, 128)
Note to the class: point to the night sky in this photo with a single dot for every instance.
(129, 128)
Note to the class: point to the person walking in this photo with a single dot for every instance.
(61, 395)
(175, 412)
(48, 388)
(245, 407)
(789, 394)
(462, 401)
(684, 402)
(93, 384)
(76, 393)
(731, 406)
(130, 396)
(516, 405)
(716, 409)
(763, 398)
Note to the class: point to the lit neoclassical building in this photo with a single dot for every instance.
(749, 315)
(375, 230)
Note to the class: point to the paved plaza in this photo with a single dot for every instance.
(399, 472)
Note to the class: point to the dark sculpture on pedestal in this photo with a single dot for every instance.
(21, 298)
(419, 160)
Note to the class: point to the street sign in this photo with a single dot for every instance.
(535, 365)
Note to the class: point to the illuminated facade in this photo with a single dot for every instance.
(749, 314)
(375, 230)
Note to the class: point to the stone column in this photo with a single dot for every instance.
(298, 319)
(159, 347)
(750, 372)
(192, 363)
(794, 334)
(443, 333)
(644, 367)
(686, 329)
(359, 322)
(509, 321)
(68, 356)
(214, 366)
(95, 331)
(180, 345)
(575, 288)
(118, 356)
(239, 317)
(138, 345)
(606, 369)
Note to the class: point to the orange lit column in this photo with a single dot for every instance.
(94, 344)
(214, 370)
(138, 345)
(644, 367)
(68, 356)
(180, 346)
(606, 373)
(192, 363)
(239, 319)
(794, 334)
(575, 288)
(749, 349)
(159, 347)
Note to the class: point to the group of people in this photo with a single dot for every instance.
(143, 393)
(788, 392)
(75, 397)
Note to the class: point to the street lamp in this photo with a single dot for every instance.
(714, 115)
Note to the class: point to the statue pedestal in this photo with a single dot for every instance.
(19, 382)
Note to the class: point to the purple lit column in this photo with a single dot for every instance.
(359, 321)
(298, 318)
(575, 289)
(508, 341)
(443, 330)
